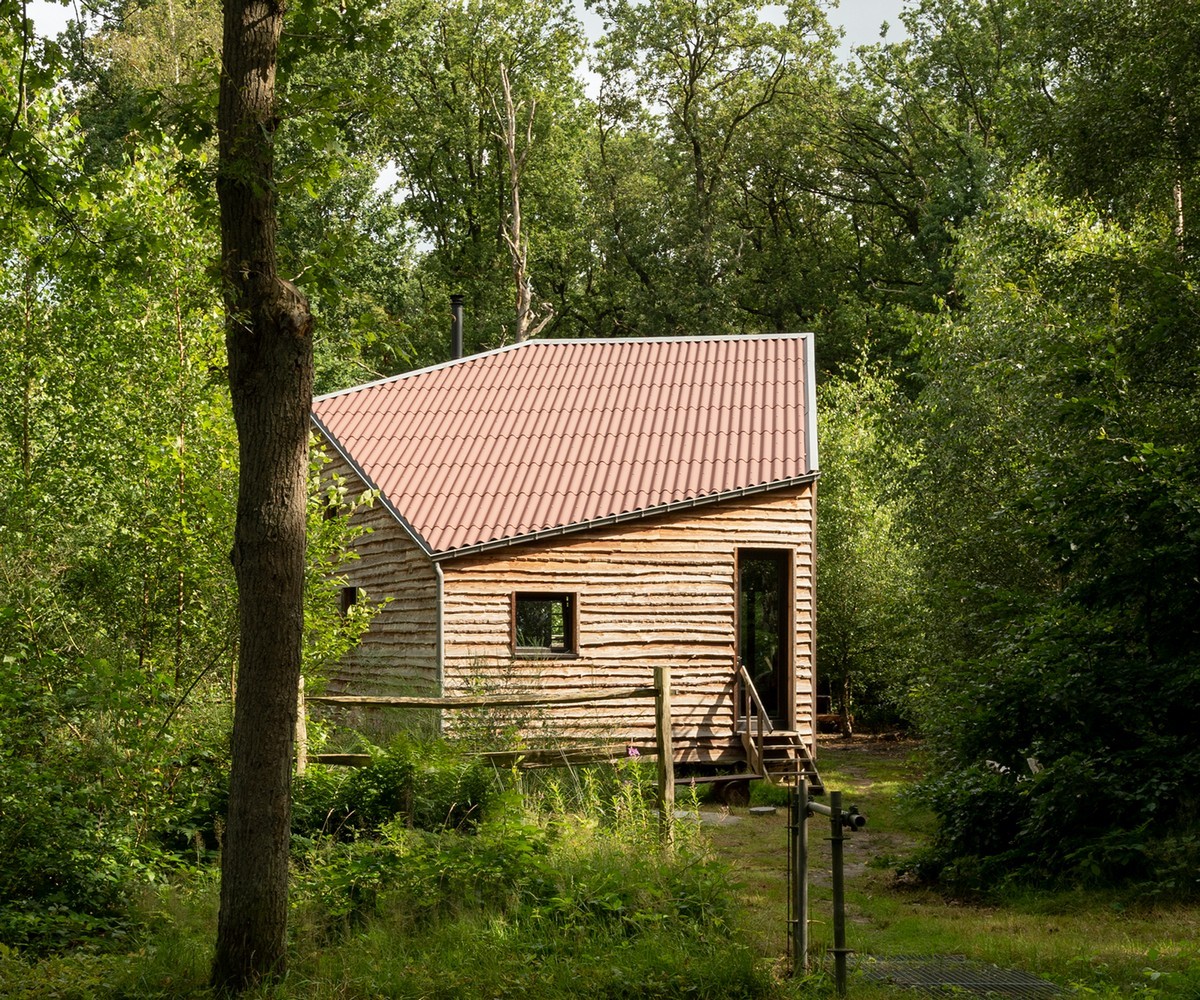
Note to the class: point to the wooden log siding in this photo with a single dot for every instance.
(398, 654)
(655, 592)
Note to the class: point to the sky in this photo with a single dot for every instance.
(50, 18)
(861, 20)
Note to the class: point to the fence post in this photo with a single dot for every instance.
(666, 754)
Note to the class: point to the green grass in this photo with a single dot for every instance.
(579, 902)
(533, 904)
(1091, 943)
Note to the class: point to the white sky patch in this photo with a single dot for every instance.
(50, 19)
(861, 20)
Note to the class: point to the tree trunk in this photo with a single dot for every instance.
(527, 324)
(269, 345)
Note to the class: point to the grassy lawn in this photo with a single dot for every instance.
(574, 899)
(1090, 943)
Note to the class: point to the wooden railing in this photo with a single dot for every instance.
(748, 706)
(660, 692)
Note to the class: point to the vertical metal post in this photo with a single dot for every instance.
(793, 875)
(798, 869)
(839, 892)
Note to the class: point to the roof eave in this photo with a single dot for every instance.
(558, 531)
(359, 471)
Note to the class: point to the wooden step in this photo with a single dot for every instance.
(784, 760)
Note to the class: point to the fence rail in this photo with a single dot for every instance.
(661, 693)
(531, 700)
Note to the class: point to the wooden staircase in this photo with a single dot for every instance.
(782, 757)
(779, 755)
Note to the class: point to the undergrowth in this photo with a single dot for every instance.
(547, 886)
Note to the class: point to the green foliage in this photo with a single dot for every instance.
(96, 797)
(426, 785)
(869, 599)
(441, 130)
(329, 630)
(551, 883)
(702, 224)
(1061, 454)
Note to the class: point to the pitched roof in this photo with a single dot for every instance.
(550, 436)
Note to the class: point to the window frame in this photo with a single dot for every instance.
(570, 617)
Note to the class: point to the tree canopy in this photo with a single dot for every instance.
(988, 224)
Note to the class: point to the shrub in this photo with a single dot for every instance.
(97, 795)
(427, 784)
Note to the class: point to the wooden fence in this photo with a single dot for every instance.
(660, 692)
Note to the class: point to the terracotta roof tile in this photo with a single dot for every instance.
(550, 435)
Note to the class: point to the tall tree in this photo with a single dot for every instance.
(1059, 487)
(485, 129)
(868, 599)
(689, 89)
(269, 347)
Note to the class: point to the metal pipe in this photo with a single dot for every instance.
(836, 838)
(456, 326)
(802, 894)
(798, 896)
(852, 819)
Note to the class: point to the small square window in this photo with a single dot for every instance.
(544, 624)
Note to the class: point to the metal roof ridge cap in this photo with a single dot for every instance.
(680, 338)
(683, 338)
(416, 536)
(610, 519)
(428, 368)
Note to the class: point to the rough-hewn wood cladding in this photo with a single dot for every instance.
(398, 654)
(659, 591)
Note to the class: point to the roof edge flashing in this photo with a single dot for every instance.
(400, 519)
(810, 402)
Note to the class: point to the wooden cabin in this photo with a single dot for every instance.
(566, 515)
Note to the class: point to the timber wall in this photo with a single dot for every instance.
(398, 653)
(651, 592)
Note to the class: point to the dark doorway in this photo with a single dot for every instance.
(764, 626)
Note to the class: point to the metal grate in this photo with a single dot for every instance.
(947, 975)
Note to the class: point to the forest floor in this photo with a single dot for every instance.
(1077, 942)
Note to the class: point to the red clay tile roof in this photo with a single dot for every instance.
(548, 436)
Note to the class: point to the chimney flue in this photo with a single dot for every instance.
(456, 327)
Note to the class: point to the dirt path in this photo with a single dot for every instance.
(868, 772)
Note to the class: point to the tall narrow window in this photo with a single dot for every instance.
(349, 598)
(544, 624)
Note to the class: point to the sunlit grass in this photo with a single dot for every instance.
(607, 915)
(1089, 942)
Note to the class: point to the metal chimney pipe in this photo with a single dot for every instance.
(456, 327)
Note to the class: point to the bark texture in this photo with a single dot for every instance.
(269, 345)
